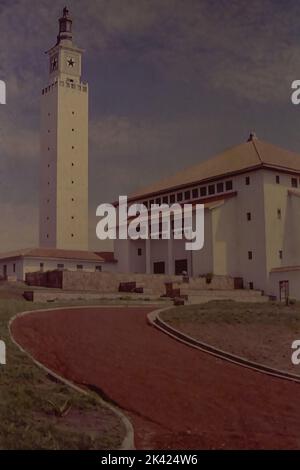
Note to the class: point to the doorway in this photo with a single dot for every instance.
(180, 266)
(283, 291)
(159, 267)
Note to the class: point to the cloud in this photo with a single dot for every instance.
(18, 226)
(127, 152)
(19, 145)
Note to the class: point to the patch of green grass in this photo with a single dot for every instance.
(29, 400)
(231, 312)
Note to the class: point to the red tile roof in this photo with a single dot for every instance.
(108, 256)
(244, 157)
(53, 253)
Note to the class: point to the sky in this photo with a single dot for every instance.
(171, 83)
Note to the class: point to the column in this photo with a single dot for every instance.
(170, 259)
(148, 256)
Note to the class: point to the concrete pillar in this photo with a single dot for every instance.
(148, 256)
(170, 259)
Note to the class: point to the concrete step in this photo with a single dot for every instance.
(225, 293)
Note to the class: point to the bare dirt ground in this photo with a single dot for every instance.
(176, 396)
(262, 333)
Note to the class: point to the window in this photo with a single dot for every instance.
(151, 202)
(220, 187)
(165, 199)
(179, 197)
(139, 251)
(195, 193)
(250, 255)
(280, 254)
(277, 179)
(157, 200)
(73, 147)
(248, 215)
(187, 195)
(98, 268)
(203, 191)
(211, 189)
(247, 180)
(228, 185)
(72, 235)
(60, 266)
(251, 285)
(172, 198)
(72, 130)
(41, 266)
(14, 267)
(294, 182)
(279, 214)
(79, 267)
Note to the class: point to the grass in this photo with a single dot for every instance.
(231, 312)
(30, 402)
(260, 332)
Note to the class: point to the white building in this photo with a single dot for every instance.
(16, 264)
(252, 219)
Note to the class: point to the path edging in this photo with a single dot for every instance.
(156, 321)
(128, 440)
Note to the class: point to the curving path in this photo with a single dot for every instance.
(175, 396)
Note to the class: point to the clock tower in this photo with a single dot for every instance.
(64, 147)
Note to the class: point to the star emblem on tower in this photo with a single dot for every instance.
(71, 62)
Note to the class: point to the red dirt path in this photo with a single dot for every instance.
(175, 396)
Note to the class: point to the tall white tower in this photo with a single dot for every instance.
(64, 147)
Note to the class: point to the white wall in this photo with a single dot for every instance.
(294, 283)
(64, 167)
(11, 273)
(33, 264)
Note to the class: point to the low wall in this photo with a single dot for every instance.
(52, 279)
(109, 282)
